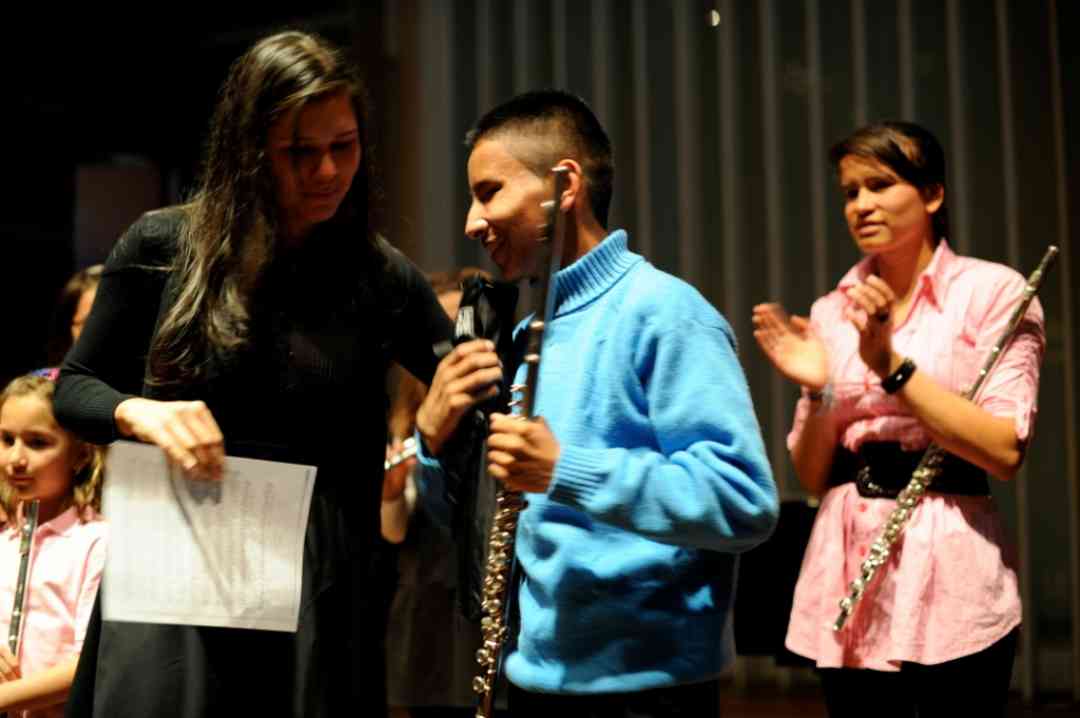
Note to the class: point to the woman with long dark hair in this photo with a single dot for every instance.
(884, 362)
(249, 321)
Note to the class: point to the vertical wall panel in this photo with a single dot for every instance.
(1072, 452)
(793, 121)
(1019, 511)
(956, 150)
(537, 18)
(819, 175)
(882, 61)
(599, 31)
(754, 211)
(560, 34)
(1049, 613)
(905, 58)
(439, 175)
(982, 134)
(687, 58)
(643, 104)
(579, 42)
(774, 216)
(734, 239)
(858, 62)
(622, 119)
(665, 239)
(471, 43)
(839, 116)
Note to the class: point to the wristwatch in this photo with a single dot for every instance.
(893, 382)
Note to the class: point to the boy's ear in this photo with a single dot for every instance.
(575, 184)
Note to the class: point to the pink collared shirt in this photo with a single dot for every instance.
(66, 560)
(950, 590)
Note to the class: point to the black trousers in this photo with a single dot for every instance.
(696, 700)
(975, 685)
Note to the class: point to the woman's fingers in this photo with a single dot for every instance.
(856, 317)
(882, 287)
(209, 443)
(9, 665)
(874, 298)
(800, 324)
(770, 317)
(178, 442)
(185, 430)
(191, 439)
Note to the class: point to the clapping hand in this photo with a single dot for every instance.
(870, 312)
(791, 345)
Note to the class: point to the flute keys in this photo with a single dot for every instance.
(500, 556)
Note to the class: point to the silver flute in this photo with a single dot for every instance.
(26, 538)
(508, 503)
(930, 464)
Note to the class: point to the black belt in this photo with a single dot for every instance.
(881, 469)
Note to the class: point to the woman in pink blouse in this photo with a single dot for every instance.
(884, 362)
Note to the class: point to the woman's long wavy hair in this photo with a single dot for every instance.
(86, 484)
(232, 220)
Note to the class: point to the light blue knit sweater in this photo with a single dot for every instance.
(629, 559)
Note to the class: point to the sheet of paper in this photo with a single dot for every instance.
(226, 553)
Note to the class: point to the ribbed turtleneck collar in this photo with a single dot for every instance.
(595, 273)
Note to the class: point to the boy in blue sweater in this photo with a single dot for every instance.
(646, 474)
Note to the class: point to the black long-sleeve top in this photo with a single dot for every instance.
(309, 387)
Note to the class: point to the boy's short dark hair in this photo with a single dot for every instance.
(556, 125)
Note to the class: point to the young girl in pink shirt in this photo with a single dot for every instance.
(41, 462)
(884, 363)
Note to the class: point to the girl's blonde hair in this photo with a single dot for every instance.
(86, 486)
